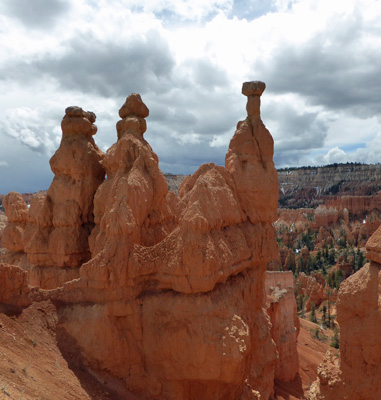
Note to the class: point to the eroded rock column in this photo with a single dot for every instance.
(54, 233)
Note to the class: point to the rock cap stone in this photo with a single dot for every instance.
(78, 112)
(253, 88)
(134, 106)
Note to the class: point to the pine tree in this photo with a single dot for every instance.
(313, 314)
(339, 278)
(331, 257)
(360, 260)
(290, 264)
(324, 316)
(299, 302)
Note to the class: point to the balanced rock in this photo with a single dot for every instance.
(250, 159)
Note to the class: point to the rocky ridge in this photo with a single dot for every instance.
(308, 186)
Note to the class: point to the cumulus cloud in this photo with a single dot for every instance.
(337, 67)
(335, 155)
(370, 153)
(30, 128)
(102, 68)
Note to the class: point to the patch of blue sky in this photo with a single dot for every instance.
(351, 148)
(251, 10)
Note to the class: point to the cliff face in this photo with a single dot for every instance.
(305, 187)
(171, 300)
(357, 376)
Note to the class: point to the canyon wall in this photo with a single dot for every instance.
(308, 186)
(168, 296)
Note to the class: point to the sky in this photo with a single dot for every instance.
(320, 60)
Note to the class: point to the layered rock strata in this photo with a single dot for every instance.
(308, 186)
(356, 375)
(172, 299)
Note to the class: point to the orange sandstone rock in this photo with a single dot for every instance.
(285, 323)
(14, 286)
(171, 299)
(17, 213)
(54, 233)
(158, 262)
(314, 287)
(3, 223)
(250, 159)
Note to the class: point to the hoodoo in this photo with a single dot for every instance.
(50, 239)
(169, 297)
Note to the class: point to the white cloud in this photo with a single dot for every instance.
(319, 59)
(335, 155)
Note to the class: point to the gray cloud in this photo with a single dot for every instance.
(292, 158)
(178, 158)
(106, 69)
(27, 171)
(37, 14)
(333, 69)
(296, 133)
(34, 129)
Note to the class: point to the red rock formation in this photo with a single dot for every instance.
(359, 215)
(17, 214)
(185, 247)
(355, 205)
(323, 238)
(172, 299)
(285, 323)
(359, 316)
(325, 216)
(3, 223)
(14, 286)
(314, 287)
(54, 233)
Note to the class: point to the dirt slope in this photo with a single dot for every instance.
(32, 365)
(311, 354)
